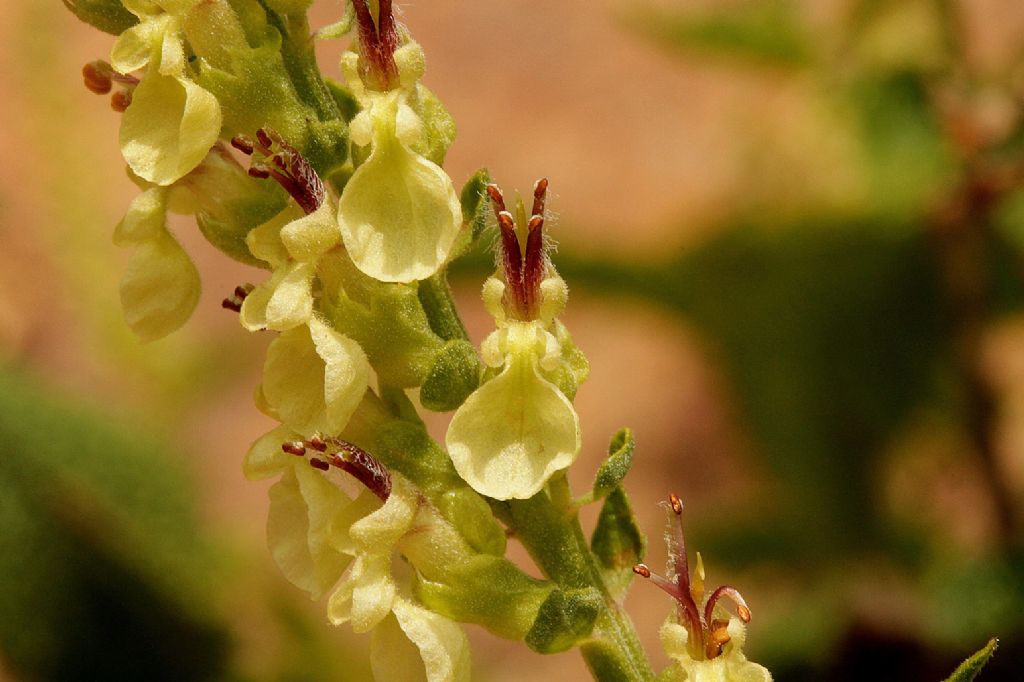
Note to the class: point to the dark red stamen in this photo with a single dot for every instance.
(234, 302)
(707, 635)
(355, 461)
(540, 190)
(524, 272)
(275, 158)
(243, 144)
(364, 468)
(378, 42)
(319, 464)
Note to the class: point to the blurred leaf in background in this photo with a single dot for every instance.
(843, 326)
(103, 571)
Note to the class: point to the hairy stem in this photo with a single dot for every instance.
(548, 526)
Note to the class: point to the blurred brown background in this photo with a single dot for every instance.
(793, 231)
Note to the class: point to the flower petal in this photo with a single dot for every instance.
(513, 432)
(133, 49)
(314, 378)
(145, 219)
(440, 654)
(311, 235)
(302, 506)
(282, 302)
(168, 128)
(399, 214)
(160, 287)
(383, 528)
(366, 594)
(265, 457)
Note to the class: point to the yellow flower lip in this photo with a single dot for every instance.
(707, 635)
(516, 430)
(399, 214)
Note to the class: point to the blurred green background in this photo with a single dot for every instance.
(794, 231)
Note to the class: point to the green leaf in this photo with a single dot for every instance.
(109, 16)
(348, 105)
(454, 375)
(566, 617)
(104, 571)
(436, 298)
(607, 663)
(474, 202)
(393, 329)
(617, 542)
(969, 669)
(489, 591)
(615, 468)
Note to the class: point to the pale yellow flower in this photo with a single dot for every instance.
(519, 428)
(399, 214)
(160, 286)
(171, 122)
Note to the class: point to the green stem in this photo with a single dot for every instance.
(548, 526)
(299, 54)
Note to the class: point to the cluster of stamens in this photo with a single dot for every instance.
(334, 452)
(99, 77)
(273, 157)
(234, 302)
(707, 635)
(378, 42)
(523, 271)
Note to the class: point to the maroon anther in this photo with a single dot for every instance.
(99, 77)
(317, 444)
(120, 101)
(273, 157)
(319, 464)
(243, 144)
(707, 635)
(234, 302)
(96, 76)
(524, 272)
(378, 41)
(294, 447)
